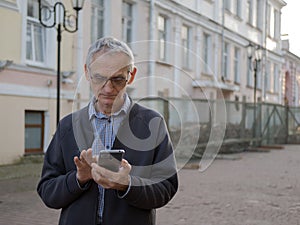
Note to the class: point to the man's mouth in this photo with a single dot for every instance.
(106, 96)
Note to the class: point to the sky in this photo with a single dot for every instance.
(290, 19)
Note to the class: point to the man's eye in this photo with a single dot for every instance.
(118, 78)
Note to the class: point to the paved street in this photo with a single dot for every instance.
(254, 189)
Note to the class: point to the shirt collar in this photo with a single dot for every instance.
(124, 109)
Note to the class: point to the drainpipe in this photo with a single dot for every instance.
(151, 64)
(264, 58)
(222, 38)
(177, 58)
(79, 69)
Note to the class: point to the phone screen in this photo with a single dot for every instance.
(111, 159)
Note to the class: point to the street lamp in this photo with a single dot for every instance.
(254, 51)
(56, 16)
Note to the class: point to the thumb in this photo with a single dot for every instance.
(125, 165)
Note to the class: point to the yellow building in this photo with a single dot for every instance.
(28, 80)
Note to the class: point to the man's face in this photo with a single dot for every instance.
(108, 77)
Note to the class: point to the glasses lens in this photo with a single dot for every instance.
(98, 79)
(118, 81)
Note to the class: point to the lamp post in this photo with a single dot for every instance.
(56, 16)
(254, 52)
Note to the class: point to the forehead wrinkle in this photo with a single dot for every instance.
(110, 63)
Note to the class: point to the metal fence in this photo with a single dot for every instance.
(197, 123)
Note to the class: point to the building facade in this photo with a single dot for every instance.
(191, 48)
(291, 78)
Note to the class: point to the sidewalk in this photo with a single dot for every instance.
(256, 189)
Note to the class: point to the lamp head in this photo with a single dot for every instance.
(250, 50)
(258, 53)
(77, 4)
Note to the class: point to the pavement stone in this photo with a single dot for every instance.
(254, 189)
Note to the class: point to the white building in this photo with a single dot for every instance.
(194, 48)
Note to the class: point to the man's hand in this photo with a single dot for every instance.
(83, 164)
(112, 180)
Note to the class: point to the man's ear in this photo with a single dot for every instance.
(86, 73)
(132, 75)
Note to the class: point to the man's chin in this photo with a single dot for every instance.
(107, 104)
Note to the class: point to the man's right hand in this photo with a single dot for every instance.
(83, 164)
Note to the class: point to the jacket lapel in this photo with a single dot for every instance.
(83, 130)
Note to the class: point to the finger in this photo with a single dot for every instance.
(101, 170)
(95, 159)
(77, 161)
(89, 151)
(87, 156)
(82, 153)
(125, 165)
(92, 159)
(100, 179)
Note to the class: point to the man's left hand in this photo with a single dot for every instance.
(112, 180)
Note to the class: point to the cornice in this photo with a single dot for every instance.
(9, 5)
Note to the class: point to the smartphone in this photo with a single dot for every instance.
(111, 159)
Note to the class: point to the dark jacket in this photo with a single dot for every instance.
(144, 137)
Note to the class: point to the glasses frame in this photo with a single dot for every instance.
(112, 80)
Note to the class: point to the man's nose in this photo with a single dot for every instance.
(108, 84)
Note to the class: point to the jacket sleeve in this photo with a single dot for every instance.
(158, 188)
(58, 186)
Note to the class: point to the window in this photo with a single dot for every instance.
(268, 77)
(276, 79)
(97, 19)
(186, 44)
(249, 72)
(270, 22)
(127, 22)
(34, 131)
(250, 11)
(227, 4)
(226, 58)
(207, 52)
(259, 14)
(237, 7)
(276, 24)
(162, 37)
(237, 56)
(258, 76)
(35, 35)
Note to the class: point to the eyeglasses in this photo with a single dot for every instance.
(117, 82)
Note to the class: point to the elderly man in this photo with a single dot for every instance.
(87, 193)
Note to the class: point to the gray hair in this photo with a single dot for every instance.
(109, 44)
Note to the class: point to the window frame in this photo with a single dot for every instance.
(49, 43)
(238, 8)
(259, 14)
(96, 9)
(250, 11)
(226, 61)
(268, 76)
(237, 64)
(276, 24)
(33, 22)
(186, 46)
(162, 43)
(207, 52)
(276, 78)
(250, 75)
(127, 23)
(42, 128)
(227, 5)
